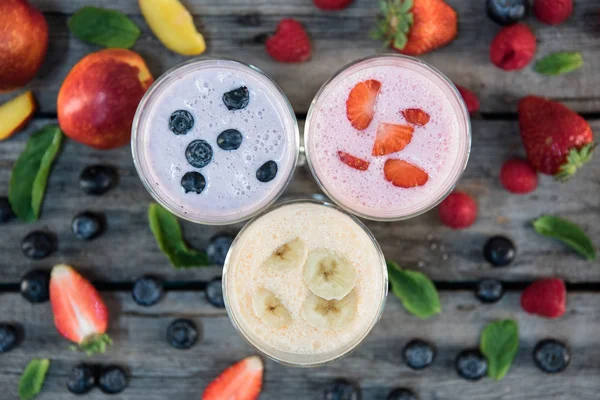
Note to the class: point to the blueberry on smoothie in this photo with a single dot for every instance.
(267, 171)
(199, 153)
(237, 99)
(181, 122)
(193, 182)
(230, 139)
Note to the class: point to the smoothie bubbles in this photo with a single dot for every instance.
(215, 141)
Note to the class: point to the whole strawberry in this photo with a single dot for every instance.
(415, 27)
(513, 47)
(546, 298)
(290, 43)
(557, 140)
(553, 12)
(329, 5)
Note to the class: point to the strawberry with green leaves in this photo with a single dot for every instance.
(415, 27)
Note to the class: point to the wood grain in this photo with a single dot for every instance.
(234, 28)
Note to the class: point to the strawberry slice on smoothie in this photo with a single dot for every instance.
(415, 116)
(404, 174)
(360, 105)
(353, 162)
(391, 138)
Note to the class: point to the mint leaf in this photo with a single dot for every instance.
(168, 235)
(29, 174)
(568, 233)
(415, 290)
(559, 63)
(499, 344)
(107, 28)
(32, 379)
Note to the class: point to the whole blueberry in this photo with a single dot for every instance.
(81, 379)
(237, 99)
(267, 171)
(214, 293)
(181, 122)
(551, 356)
(230, 139)
(418, 354)
(193, 182)
(507, 12)
(97, 179)
(199, 153)
(402, 394)
(87, 225)
(499, 251)
(217, 248)
(35, 286)
(341, 389)
(9, 337)
(471, 365)
(182, 334)
(38, 244)
(147, 291)
(489, 290)
(112, 380)
(6, 212)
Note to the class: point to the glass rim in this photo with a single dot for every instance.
(136, 153)
(352, 345)
(460, 168)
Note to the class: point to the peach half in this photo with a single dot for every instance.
(15, 113)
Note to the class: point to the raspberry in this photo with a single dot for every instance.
(470, 98)
(547, 298)
(513, 47)
(518, 176)
(553, 12)
(458, 210)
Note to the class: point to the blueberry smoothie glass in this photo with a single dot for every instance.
(387, 137)
(215, 141)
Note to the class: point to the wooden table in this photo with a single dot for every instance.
(234, 28)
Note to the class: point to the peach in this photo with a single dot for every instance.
(15, 113)
(23, 43)
(98, 98)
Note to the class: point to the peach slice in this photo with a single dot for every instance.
(15, 113)
(174, 26)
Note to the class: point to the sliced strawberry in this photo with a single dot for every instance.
(391, 138)
(403, 174)
(80, 315)
(360, 105)
(353, 162)
(241, 381)
(415, 116)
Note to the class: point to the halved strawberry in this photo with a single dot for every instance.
(80, 315)
(353, 162)
(403, 174)
(415, 116)
(360, 105)
(391, 138)
(241, 381)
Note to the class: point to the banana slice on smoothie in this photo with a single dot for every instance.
(329, 314)
(328, 275)
(269, 309)
(289, 256)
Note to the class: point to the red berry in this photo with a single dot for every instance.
(290, 43)
(547, 298)
(553, 12)
(513, 47)
(470, 98)
(332, 4)
(458, 210)
(518, 176)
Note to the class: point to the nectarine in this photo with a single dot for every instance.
(99, 97)
(15, 113)
(23, 43)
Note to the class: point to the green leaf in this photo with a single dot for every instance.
(32, 379)
(499, 344)
(416, 291)
(29, 174)
(406, 6)
(107, 28)
(168, 235)
(568, 233)
(559, 63)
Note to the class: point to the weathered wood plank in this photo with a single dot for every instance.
(160, 372)
(339, 38)
(127, 250)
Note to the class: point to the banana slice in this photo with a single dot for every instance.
(289, 256)
(269, 309)
(329, 314)
(328, 275)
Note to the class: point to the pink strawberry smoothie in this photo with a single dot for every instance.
(440, 148)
